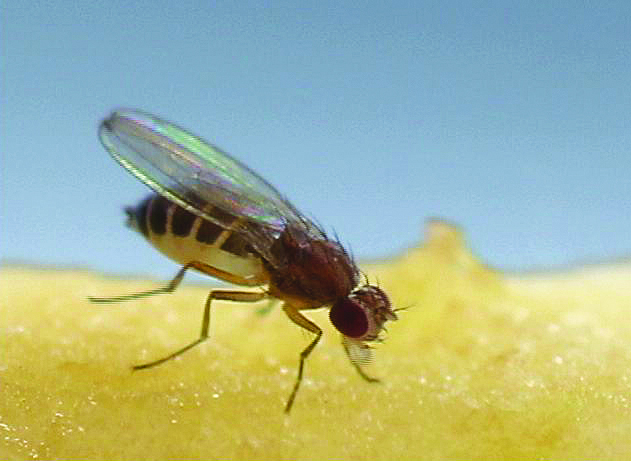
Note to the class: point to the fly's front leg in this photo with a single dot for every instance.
(307, 324)
(223, 295)
(358, 353)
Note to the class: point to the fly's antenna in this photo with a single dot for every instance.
(405, 308)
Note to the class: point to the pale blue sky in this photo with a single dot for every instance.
(512, 119)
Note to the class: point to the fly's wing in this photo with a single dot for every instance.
(197, 175)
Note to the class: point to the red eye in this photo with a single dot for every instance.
(349, 318)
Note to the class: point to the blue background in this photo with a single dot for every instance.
(511, 119)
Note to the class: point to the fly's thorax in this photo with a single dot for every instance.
(317, 271)
(186, 237)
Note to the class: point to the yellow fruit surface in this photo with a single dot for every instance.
(480, 365)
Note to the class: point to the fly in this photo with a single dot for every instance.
(211, 213)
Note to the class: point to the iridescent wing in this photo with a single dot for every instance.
(197, 176)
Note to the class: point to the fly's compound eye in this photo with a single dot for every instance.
(350, 318)
(362, 314)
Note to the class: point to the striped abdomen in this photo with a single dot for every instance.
(186, 237)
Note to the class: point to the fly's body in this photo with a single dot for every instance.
(213, 214)
(185, 237)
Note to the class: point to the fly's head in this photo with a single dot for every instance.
(361, 315)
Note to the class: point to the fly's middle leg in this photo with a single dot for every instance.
(223, 295)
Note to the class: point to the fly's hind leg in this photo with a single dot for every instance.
(223, 295)
(169, 288)
(307, 324)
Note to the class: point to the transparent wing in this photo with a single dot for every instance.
(197, 176)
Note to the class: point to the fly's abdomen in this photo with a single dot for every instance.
(186, 237)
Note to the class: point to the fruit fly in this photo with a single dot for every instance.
(211, 213)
